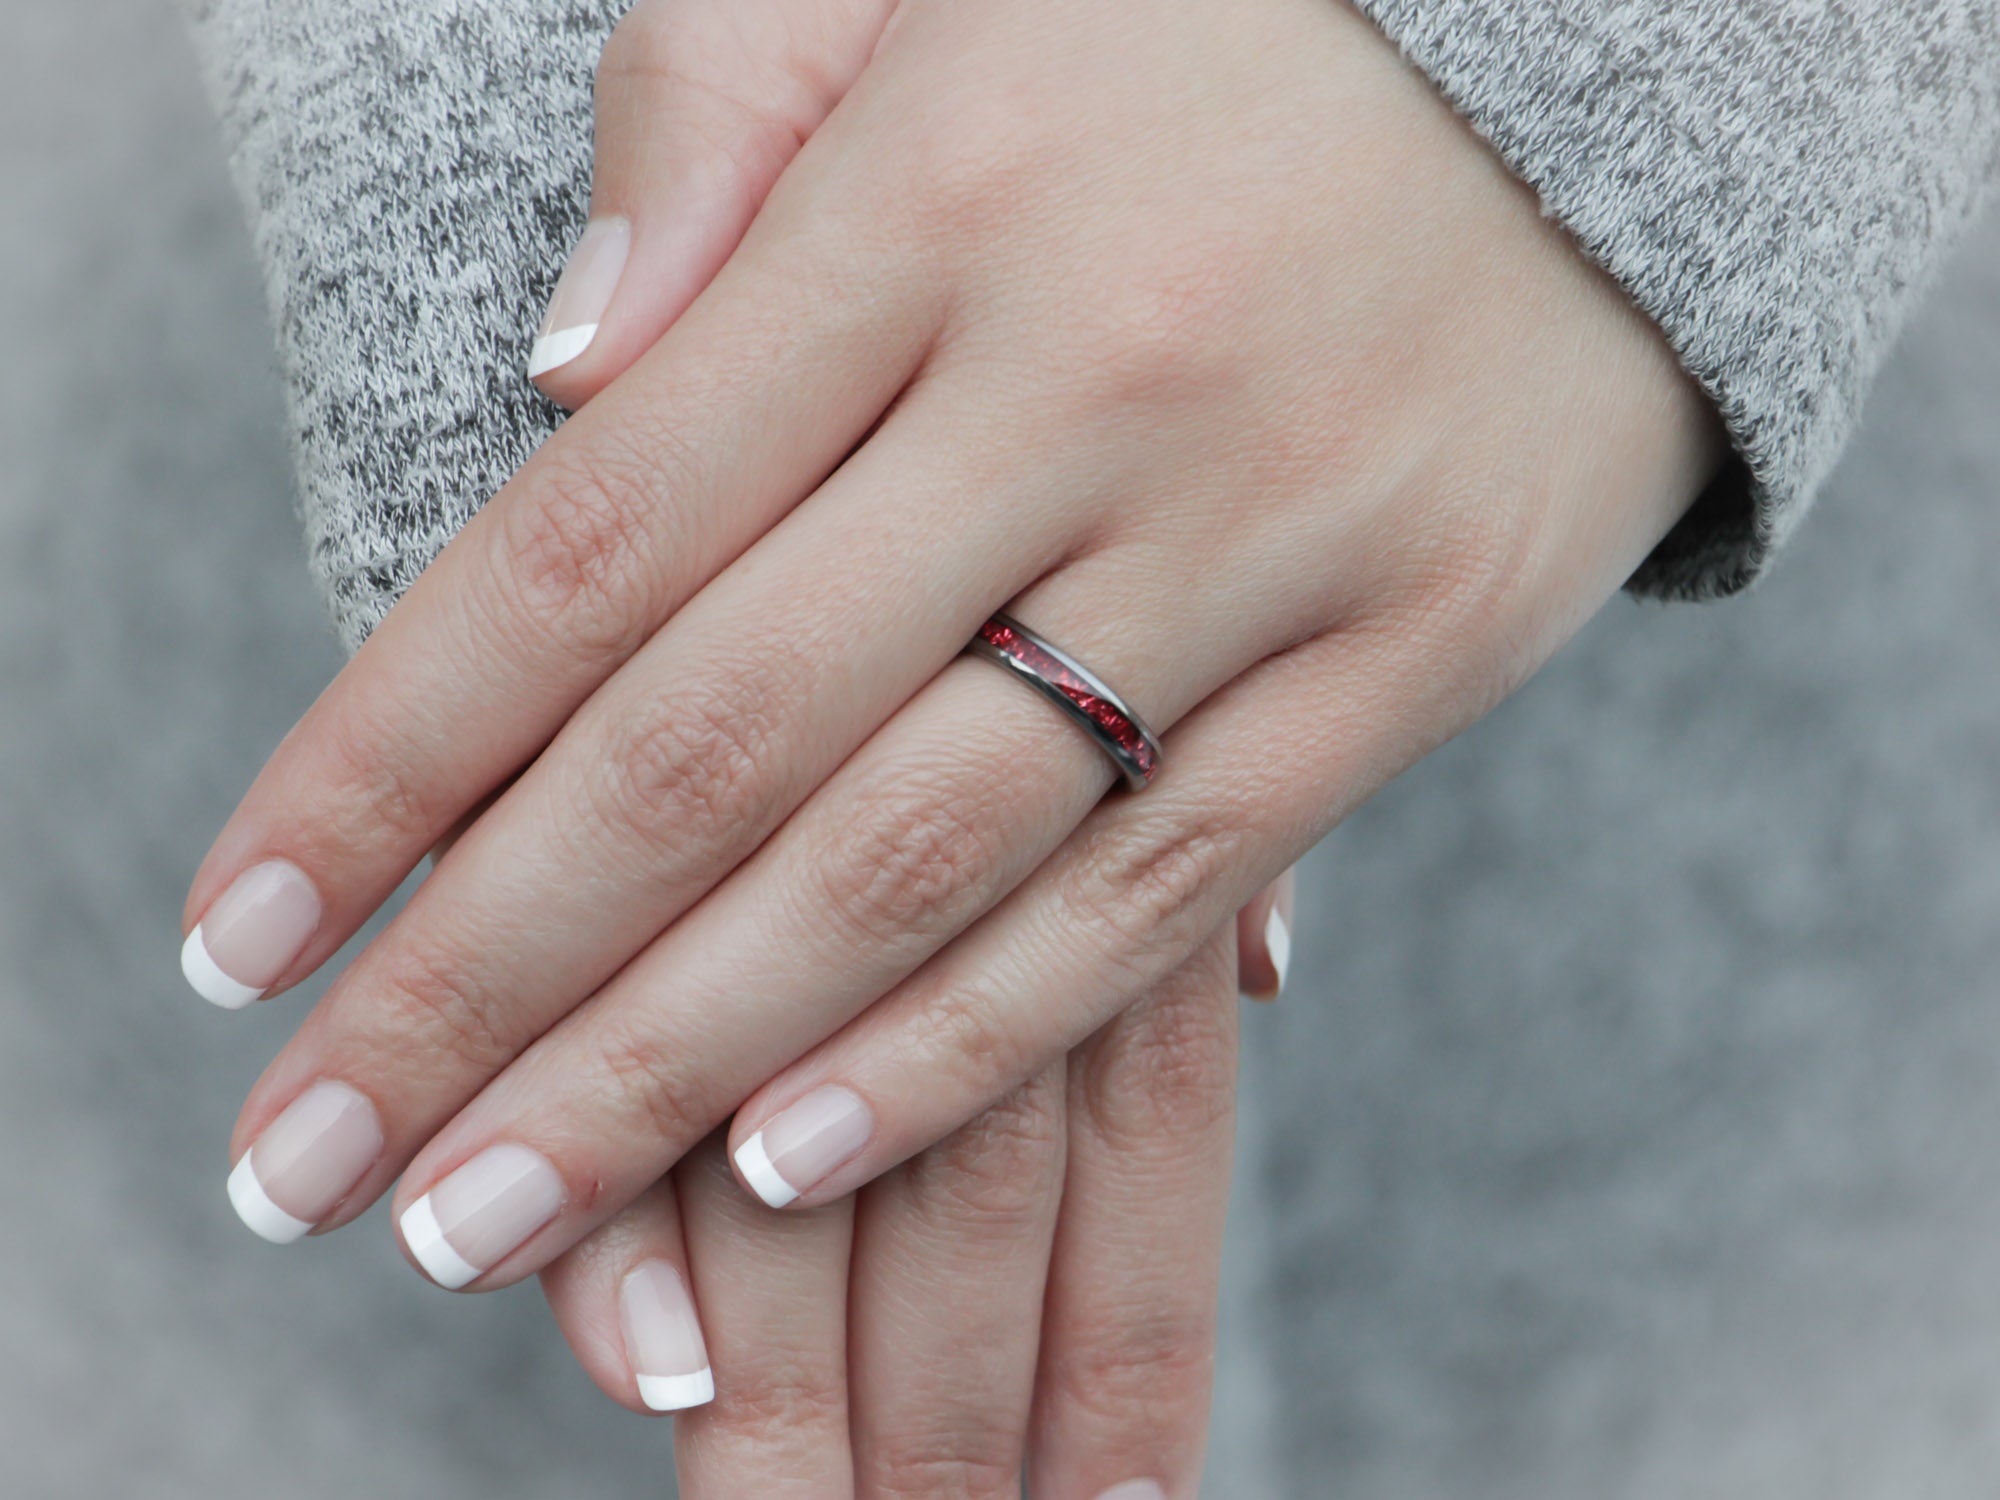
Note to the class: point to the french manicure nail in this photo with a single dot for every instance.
(251, 933)
(481, 1213)
(306, 1161)
(1278, 943)
(663, 1340)
(801, 1144)
(1135, 1489)
(582, 294)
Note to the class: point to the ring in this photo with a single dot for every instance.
(1081, 693)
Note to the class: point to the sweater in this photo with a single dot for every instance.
(1772, 182)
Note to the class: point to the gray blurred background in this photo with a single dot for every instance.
(1632, 1128)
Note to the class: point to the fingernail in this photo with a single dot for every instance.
(582, 294)
(251, 933)
(481, 1213)
(1135, 1489)
(306, 1161)
(800, 1145)
(663, 1339)
(1278, 943)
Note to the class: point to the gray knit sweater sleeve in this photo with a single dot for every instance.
(1771, 180)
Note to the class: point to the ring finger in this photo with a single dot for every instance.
(946, 808)
(670, 776)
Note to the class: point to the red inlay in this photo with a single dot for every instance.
(1010, 642)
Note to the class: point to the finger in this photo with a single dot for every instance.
(950, 1256)
(671, 775)
(1128, 1327)
(700, 105)
(774, 1304)
(623, 1302)
(1264, 939)
(915, 835)
(1253, 777)
(607, 531)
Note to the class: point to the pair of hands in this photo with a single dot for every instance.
(1212, 345)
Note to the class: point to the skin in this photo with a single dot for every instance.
(1035, 263)
(1034, 1295)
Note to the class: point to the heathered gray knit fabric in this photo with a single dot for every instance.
(1771, 180)
(414, 172)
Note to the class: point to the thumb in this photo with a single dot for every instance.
(700, 105)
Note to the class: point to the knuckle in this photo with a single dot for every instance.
(1000, 1167)
(920, 857)
(974, 178)
(580, 549)
(782, 1393)
(382, 788)
(966, 1041)
(683, 770)
(435, 1011)
(649, 1085)
(1154, 1361)
(1165, 1071)
(1165, 327)
(1142, 884)
(1461, 590)
(1472, 556)
(971, 1457)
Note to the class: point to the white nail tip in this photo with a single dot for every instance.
(257, 1211)
(554, 350)
(677, 1392)
(209, 982)
(1278, 938)
(426, 1241)
(755, 1164)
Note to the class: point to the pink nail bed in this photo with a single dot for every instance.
(482, 1213)
(804, 1142)
(663, 1342)
(582, 296)
(251, 934)
(306, 1161)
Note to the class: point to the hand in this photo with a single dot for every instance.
(1212, 345)
(1038, 1288)
(947, 1306)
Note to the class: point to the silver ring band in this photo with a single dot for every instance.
(1107, 718)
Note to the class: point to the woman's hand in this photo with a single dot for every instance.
(1210, 344)
(1038, 1289)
